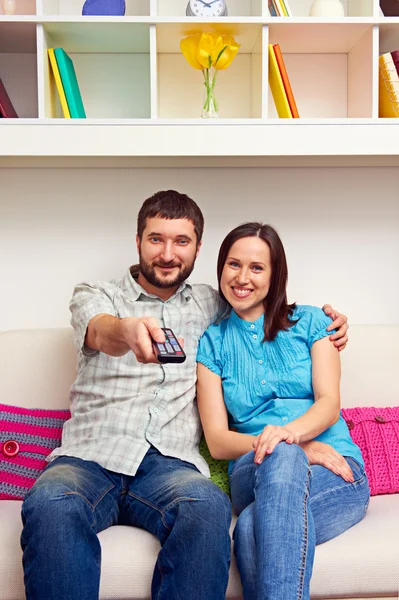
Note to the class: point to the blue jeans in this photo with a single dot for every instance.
(285, 508)
(73, 500)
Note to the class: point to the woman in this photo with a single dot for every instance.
(268, 384)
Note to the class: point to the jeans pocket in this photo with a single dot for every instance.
(357, 469)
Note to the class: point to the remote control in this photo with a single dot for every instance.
(170, 351)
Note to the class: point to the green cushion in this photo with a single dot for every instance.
(218, 468)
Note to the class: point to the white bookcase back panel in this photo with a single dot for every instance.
(236, 8)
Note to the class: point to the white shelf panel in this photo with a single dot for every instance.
(317, 38)
(100, 37)
(170, 34)
(352, 137)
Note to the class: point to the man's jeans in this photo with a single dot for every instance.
(73, 500)
(285, 508)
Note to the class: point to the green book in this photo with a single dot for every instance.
(70, 83)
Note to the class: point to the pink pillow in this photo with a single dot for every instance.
(376, 432)
(27, 436)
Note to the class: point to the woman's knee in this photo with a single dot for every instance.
(285, 465)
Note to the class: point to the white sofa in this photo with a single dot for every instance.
(36, 370)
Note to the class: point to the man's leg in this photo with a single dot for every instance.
(69, 504)
(190, 516)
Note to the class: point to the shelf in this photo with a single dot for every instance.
(194, 138)
(143, 99)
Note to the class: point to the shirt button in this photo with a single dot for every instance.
(154, 409)
(252, 326)
(255, 336)
(10, 448)
(261, 362)
(284, 418)
(263, 382)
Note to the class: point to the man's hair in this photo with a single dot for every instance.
(170, 204)
(278, 313)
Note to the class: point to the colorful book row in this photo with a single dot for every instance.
(67, 84)
(280, 85)
(279, 8)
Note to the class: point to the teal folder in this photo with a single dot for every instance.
(70, 83)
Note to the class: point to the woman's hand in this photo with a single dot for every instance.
(272, 435)
(322, 454)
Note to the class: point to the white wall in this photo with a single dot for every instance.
(340, 228)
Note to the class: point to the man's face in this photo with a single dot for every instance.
(167, 251)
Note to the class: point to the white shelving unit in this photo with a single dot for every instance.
(143, 100)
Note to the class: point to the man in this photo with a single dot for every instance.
(129, 454)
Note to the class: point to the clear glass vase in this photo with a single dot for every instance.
(210, 108)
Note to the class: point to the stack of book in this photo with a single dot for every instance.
(388, 84)
(279, 8)
(280, 85)
(67, 84)
(7, 110)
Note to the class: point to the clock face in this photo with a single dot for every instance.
(208, 8)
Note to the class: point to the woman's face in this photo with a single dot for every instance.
(246, 277)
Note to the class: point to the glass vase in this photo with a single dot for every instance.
(210, 108)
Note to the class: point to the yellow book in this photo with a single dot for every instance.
(388, 87)
(58, 83)
(277, 87)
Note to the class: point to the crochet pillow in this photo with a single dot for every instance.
(218, 468)
(376, 432)
(27, 436)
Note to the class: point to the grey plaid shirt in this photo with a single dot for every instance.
(119, 406)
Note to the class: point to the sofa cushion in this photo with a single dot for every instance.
(362, 562)
(27, 436)
(376, 431)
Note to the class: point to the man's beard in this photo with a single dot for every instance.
(148, 271)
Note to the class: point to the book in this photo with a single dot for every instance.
(390, 8)
(277, 87)
(395, 58)
(286, 81)
(58, 83)
(286, 8)
(70, 84)
(7, 109)
(388, 87)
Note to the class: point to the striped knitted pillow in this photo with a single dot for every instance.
(27, 436)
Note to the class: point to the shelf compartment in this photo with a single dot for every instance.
(389, 37)
(330, 68)
(23, 7)
(18, 66)
(236, 8)
(180, 87)
(74, 7)
(112, 63)
(352, 8)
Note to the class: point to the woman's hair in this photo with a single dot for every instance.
(277, 311)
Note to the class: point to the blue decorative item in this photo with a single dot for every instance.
(104, 8)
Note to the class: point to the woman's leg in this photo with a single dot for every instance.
(337, 505)
(283, 533)
(333, 507)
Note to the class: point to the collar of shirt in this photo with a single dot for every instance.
(132, 290)
(249, 326)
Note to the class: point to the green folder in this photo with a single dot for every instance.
(70, 83)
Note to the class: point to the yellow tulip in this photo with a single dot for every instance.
(206, 50)
(227, 54)
(189, 48)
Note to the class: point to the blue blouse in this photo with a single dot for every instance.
(270, 383)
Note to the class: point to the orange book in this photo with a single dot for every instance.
(286, 81)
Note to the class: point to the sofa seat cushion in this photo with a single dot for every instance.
(362, 562)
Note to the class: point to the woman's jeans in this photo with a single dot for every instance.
(285, 508)
(73, 500)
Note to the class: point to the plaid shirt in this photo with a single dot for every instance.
(119, 406)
